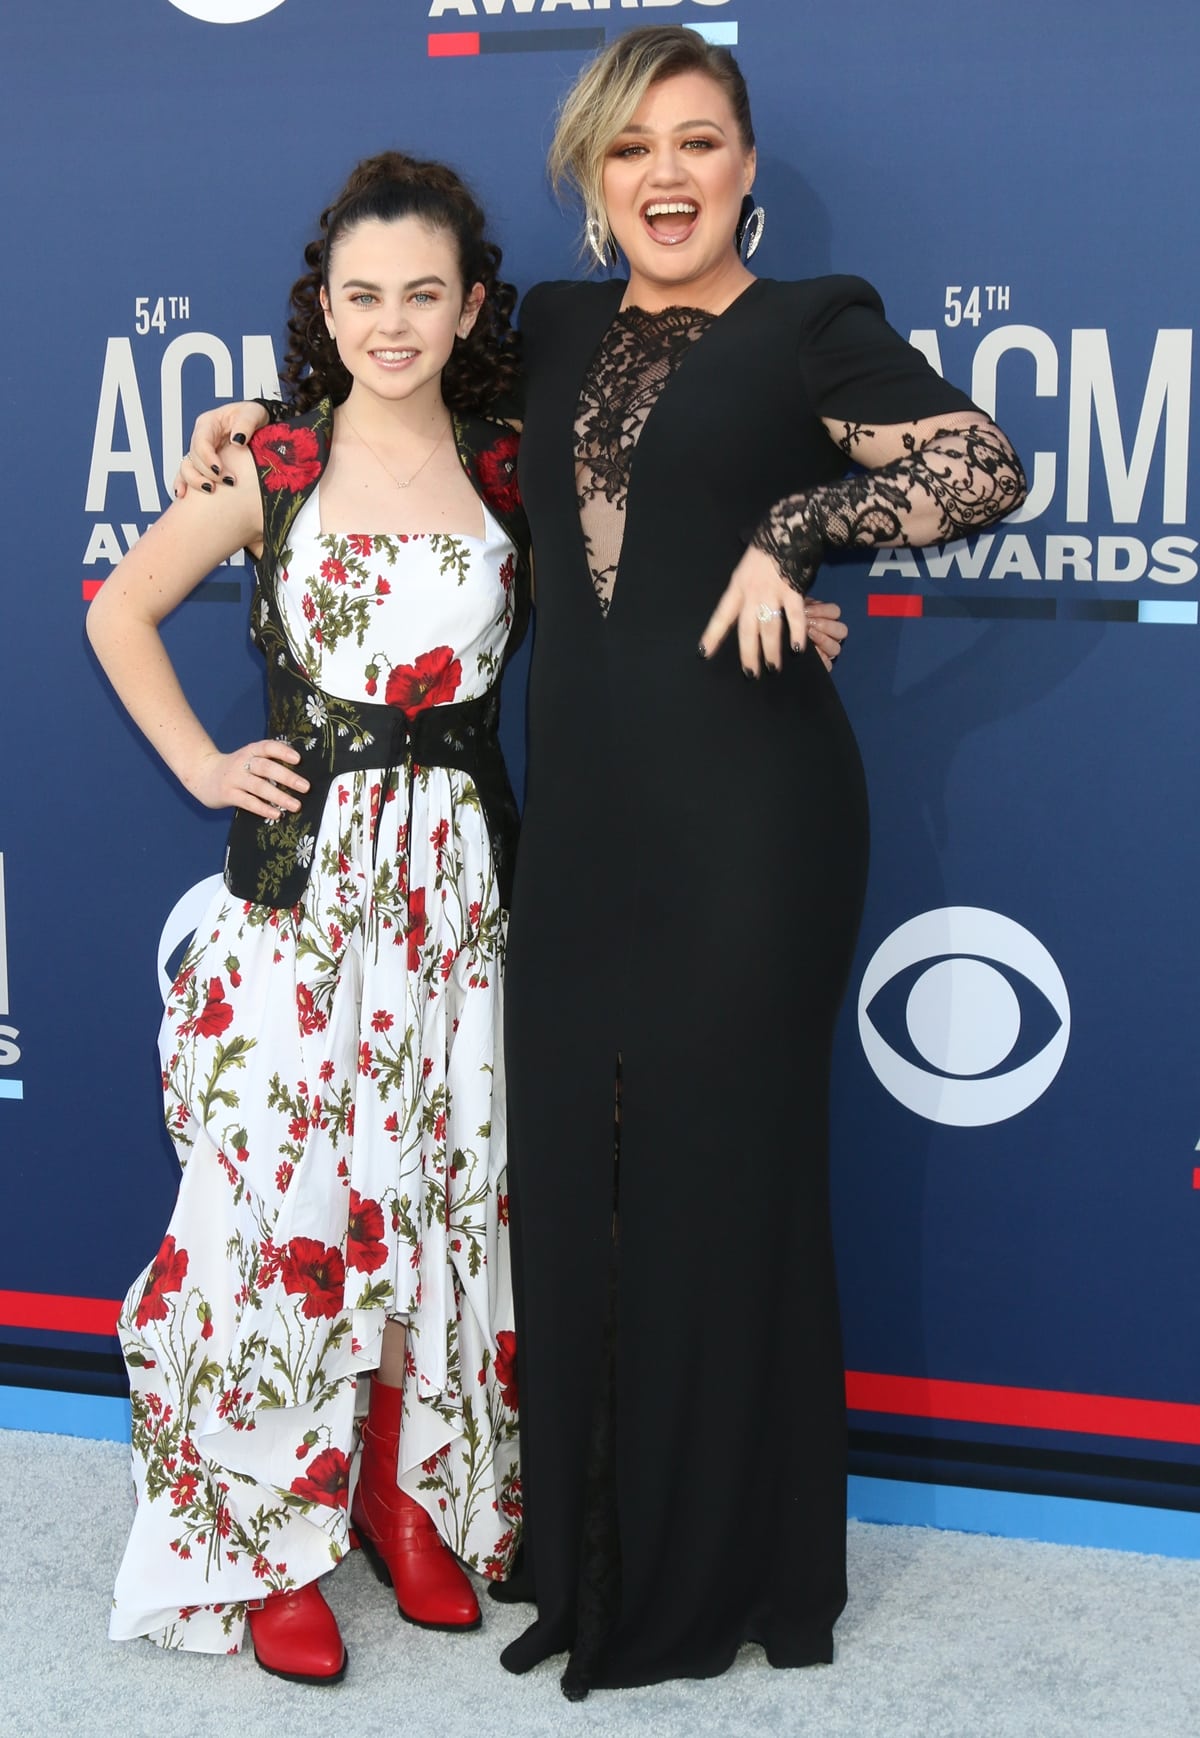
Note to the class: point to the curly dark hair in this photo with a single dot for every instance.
(483, 366)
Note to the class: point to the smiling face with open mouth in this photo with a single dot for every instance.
(674, 181)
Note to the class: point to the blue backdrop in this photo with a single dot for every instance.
(1015, 1115)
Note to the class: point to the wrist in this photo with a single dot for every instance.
(791, 536)
(193, 769)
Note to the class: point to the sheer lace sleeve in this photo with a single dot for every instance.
(956, 481)
(958, 473)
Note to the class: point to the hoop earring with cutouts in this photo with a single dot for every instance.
(751, 225)
(599, 242)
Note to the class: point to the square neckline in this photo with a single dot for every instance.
(492, 528)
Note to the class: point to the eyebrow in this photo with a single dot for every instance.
(683, 127)
(376, 289)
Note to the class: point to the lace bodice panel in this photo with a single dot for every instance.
(636, 358)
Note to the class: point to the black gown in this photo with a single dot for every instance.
(689, 885)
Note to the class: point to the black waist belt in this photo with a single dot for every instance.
(269, 862)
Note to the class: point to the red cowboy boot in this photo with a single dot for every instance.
(402, 1544)
(295, 1636)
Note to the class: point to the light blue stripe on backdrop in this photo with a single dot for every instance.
(1151, 610)
(100, 1416)
(886, 1502)
(723, 35)
(11, 1089)
(1017, 1515)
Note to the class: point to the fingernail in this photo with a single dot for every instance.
(701, 648)
(750, 675)
(773, 668)
(239, 440)
(216, 470)
(228, 480)
(207, 487)
(796, 646)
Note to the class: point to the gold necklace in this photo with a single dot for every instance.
(387, 468)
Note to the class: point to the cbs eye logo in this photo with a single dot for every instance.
(964, 1016)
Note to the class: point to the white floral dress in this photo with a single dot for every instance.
(334, 1085)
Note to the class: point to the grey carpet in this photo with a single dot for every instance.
(946, 1636)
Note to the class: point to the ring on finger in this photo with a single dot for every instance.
(767, 615)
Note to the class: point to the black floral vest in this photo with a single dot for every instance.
(269, 862)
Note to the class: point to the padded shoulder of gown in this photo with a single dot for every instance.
(557, 298)
(855, 366)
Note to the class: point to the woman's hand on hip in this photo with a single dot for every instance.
(259, 777)
(764, 608)
(826, 629)
(200, 466)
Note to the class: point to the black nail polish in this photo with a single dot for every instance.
(796, 646)
(750, 675)
(773, 668)
(701, 649)
(216, 470)
(239, 440)
(228, 481)
(207, 487)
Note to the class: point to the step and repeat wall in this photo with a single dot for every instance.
(1016, 1091)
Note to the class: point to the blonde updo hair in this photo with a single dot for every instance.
(606, 95)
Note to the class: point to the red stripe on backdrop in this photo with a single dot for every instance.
(1027, 1408)
(61, 1315)
(450, 44)
(90, 588)
(902, 1396)
(881, 603)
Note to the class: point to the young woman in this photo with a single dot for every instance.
(330, 1050)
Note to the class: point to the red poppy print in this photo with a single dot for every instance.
(506, 1367)
(317, 1273)
(416, 927)
(312, 1019)
(183, 1491)
(167, 1273)
(365, 1248)
(289, 456)
(498, 474)
(216, 1016)
(432, 681)
(347, 1109)
(327, 1480)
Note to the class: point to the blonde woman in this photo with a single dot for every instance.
(692, 865)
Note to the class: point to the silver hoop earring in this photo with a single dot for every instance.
(750, 230)
(598, 241)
